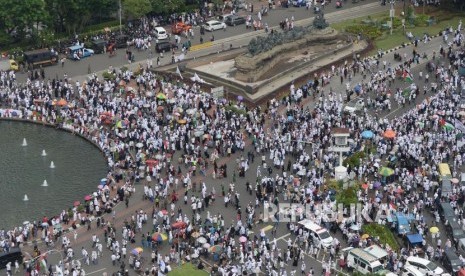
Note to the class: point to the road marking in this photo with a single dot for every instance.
(201, 46)
(267, 228)
(93, 272)
(283, 237)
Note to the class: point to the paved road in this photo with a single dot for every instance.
(282, 234)
(237, 36)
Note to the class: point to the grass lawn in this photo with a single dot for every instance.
(386, 41)
(187, 269)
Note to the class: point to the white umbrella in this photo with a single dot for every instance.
(149, 94)
(191, 111)
(139, 145)
(146, 105)
(207, 245)
(202, 240)
(158, 156)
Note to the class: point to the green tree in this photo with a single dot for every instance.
(136, 8)
(20, 15)
(167, 6)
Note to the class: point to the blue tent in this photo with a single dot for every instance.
(415, 239)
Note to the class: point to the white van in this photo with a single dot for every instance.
(317, 233)
(363, 262)
(424, 265)
(160, 33)
(380, 254)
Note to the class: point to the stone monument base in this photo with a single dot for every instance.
(340, 173)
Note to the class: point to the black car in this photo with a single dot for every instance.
(14, 254)
(234, 20)
(98, 46)
(120, 41)
(451, 261)
(165, 46)
(455, 231)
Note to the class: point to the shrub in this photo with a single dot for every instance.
(368, 31)
(108, 76)
(235, 109)
(354, 160)
(421, 20)
(385, 235)
(348, 196)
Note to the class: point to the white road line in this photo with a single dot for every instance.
(283, 237)
(93, 272)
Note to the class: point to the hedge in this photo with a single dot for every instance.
(370, 31)
(386, 236)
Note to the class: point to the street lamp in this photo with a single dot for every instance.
(392, 12)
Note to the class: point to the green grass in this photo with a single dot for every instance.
(383, 232)
(388, 41)
(188, 269)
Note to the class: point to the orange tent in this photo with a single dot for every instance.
(390, 134)
(62, 102)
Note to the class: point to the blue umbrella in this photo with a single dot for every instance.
(367, 134)
(358, 88)
(290, 118)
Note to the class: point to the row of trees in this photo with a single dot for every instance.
(20, 19)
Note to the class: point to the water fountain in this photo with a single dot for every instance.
(45, 184)
(25, 198)
(52, 165)
(44, 153)
(24, 142)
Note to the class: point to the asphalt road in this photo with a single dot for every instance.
(237, 36)
(282, 235)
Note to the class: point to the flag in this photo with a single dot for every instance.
(179, 72)
(407, 77)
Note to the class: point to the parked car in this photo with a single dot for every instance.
(98, 45)
(120, 41)
(160, 33)
(299, 3)
(234, 20)
(165, 46)
(180, 27)
(455, 231)
(424, 265)
(214, 25)
(451, 261)
(40, 57)
(78, 52)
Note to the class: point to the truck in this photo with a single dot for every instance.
(40, 57)
(8, 65)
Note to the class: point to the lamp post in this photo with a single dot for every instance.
(120, 12)
(391, 14)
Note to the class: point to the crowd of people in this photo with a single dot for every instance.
(170, 135)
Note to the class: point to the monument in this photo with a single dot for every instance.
(266, 52)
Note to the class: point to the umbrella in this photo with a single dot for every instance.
(365, 236)
(358, 88)
(103, 181)
(179, 225)
(159, 237)
(448, 126)
(367, 134)
(206, 245)
(243, 239)
(62, 102)
(364, 186)
(290, 118)
(434, 230)
(77, 203)
(355, 227)
(87, 197)
(202, 240)
(164, 212)
(385, 171)
(137, 250)
(160, 108)
(161, 96)
(216, 249)
(129, 89)
(151, 162)
(191, 111)
(240, 98)
(159, 157)
(377, 184)
(454, 180)
(389, 134)
(139, 145)
(182, 121)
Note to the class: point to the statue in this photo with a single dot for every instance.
(320, 22)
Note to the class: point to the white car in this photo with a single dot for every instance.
(424, 265)
(214, 25)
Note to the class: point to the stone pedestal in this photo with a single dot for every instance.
(340, 172)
